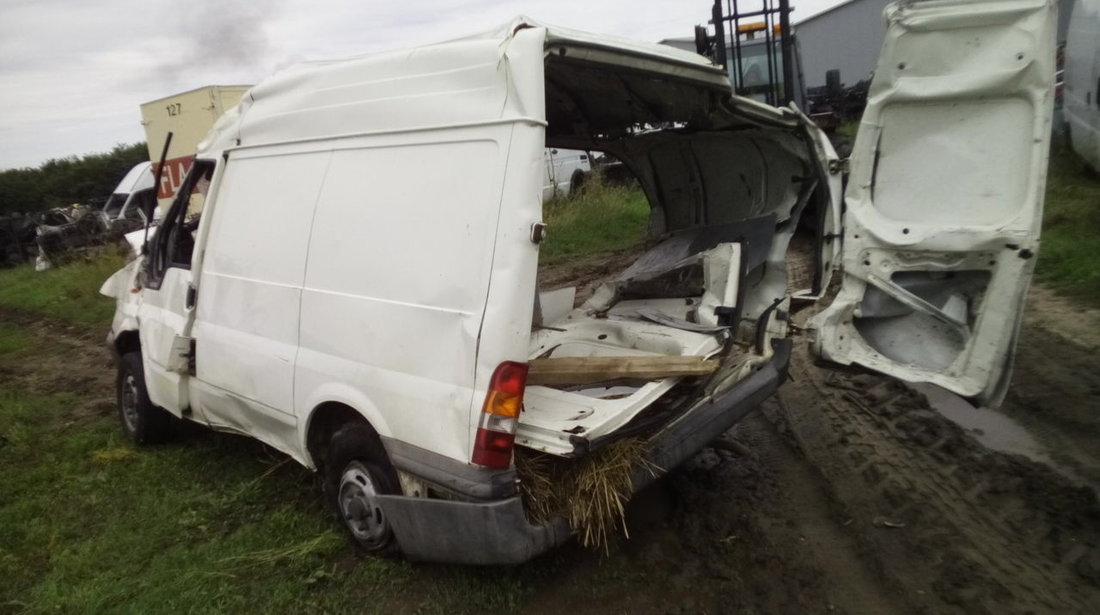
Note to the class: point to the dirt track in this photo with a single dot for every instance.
(856, 497)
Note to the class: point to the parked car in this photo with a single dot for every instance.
(566, 172)
(389, 332)
(1081, 106)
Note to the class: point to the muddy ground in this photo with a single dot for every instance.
(854, 493)
(848, 493)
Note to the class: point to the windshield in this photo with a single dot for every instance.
(753, 81)
(114, 204)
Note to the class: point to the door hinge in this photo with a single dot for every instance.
(840, 166)
(192, 296)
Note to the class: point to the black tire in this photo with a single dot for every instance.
(142, 422)
(577, 182)
(355, 469)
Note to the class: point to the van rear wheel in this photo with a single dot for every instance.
(576, 183)
(356, 473)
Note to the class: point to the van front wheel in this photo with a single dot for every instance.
(356, 473)
(142, 422)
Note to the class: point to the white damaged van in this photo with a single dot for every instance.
(125, 210)
(361, 289)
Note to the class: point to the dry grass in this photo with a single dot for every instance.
(590, 492)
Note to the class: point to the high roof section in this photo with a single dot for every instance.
(593, 84)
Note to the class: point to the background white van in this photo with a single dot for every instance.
(125, 210)
(566, 172)
(1082, 81)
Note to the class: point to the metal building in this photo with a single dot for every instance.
(849, 36)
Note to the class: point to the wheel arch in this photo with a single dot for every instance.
(127, 341)
(324, 420)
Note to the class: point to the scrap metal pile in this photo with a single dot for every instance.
(55, 236)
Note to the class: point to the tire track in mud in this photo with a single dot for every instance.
(961, 528)
(1055, 392)
(854, 584)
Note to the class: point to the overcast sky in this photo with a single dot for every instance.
(74, 72)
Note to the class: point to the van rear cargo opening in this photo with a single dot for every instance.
(726, 187)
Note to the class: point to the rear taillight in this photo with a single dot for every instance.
(496, 432)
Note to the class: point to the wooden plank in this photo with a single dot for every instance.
(582, 370)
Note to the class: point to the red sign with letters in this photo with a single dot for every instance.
(174, 172)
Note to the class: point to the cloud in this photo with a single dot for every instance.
(76, 73)
(218, 37)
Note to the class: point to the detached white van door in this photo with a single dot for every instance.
(945, 197)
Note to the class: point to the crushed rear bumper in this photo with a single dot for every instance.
(498, 532)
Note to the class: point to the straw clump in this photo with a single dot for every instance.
(590, 492)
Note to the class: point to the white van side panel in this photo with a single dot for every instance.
(396, 281)
(246, 326)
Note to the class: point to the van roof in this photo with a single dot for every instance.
(138, 178)
(473, 80)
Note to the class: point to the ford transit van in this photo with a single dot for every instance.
(360, 288)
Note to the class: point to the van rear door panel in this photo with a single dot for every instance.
(945, 198)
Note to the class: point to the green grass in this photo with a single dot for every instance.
(209, 523)
(601, 218)
(69, 292)
(13, 340)
(848, 130)
(1069, 257)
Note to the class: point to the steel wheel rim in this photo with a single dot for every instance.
(359, 508)
(129, 403)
